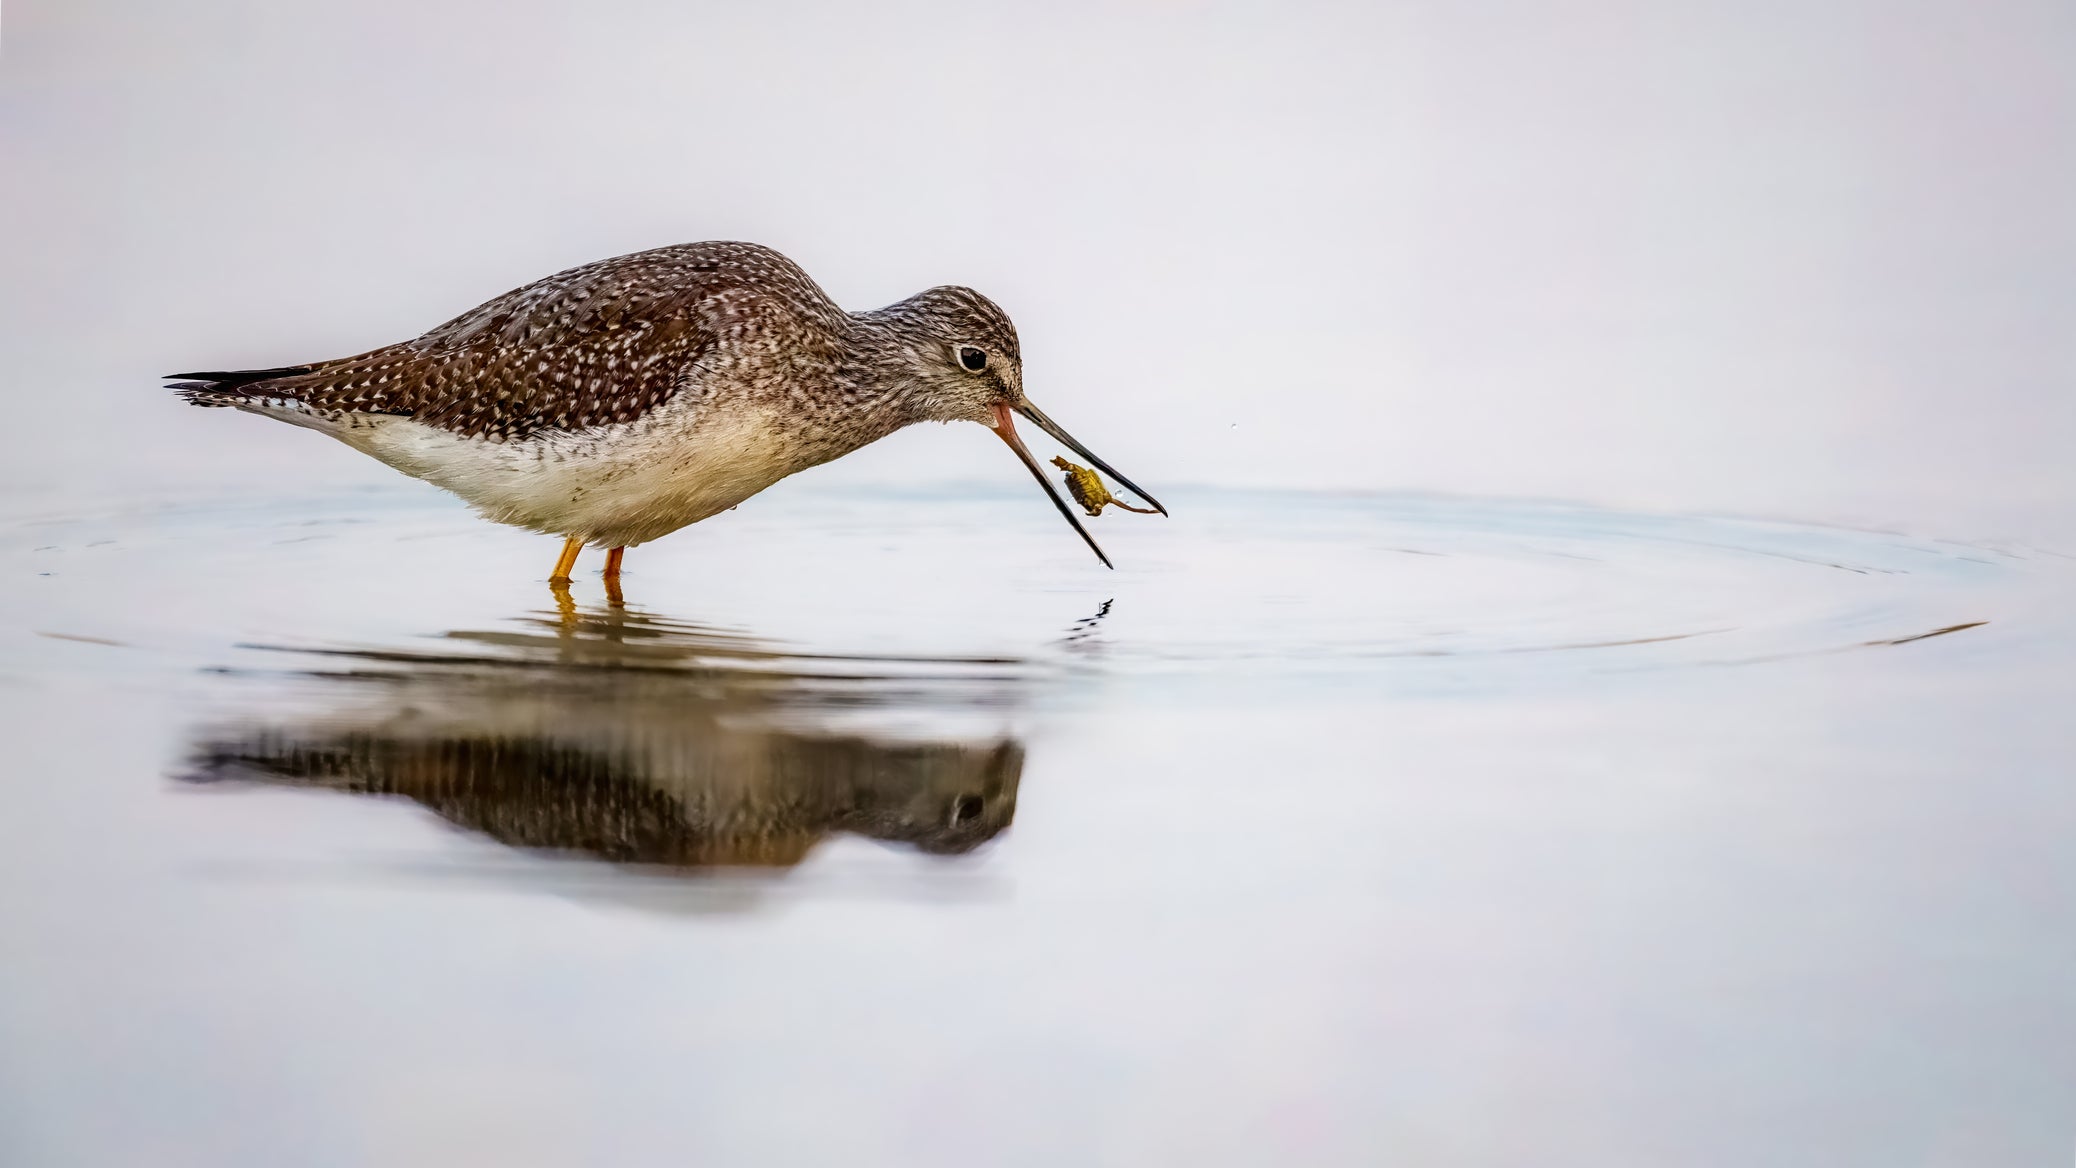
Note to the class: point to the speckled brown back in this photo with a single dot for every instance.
(602, 343)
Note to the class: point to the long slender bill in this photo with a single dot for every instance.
(1006, 428)
(1065, 439)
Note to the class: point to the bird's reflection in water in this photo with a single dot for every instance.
(642, 740)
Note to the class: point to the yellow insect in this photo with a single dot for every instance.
(1088, 490)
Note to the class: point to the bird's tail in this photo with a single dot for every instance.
(232, 388)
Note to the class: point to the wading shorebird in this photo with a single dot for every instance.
(619, 401)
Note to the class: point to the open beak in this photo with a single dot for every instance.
(1005, 426)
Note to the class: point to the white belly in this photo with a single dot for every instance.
(613, 486)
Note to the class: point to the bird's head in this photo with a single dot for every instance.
(964, 366)
(961, 354)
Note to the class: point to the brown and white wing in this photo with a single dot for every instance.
(603, 343)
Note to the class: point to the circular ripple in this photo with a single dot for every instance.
(1237, 583)
(1380, 578)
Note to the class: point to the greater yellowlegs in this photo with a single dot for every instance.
(619, 401)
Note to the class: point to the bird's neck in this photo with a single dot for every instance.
(877, 375)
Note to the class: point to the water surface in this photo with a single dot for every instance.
(889, 828)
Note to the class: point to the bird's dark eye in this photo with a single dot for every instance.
(968, 807)
(973, 359)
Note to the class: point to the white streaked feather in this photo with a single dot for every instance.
(611, 486)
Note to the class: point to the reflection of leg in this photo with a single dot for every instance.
(565, 604)
(612, 577)
(570, 548)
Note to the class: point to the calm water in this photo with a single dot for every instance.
(890, 829)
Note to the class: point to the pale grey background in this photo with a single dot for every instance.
(1569, 839)
(1815, 260)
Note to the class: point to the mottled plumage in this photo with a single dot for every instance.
(619, 401)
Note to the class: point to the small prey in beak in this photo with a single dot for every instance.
(1088, 490)
(1005, 427)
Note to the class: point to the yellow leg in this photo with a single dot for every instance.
(570, 548)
